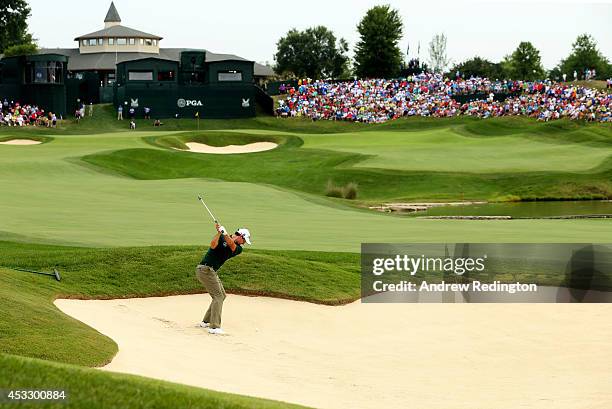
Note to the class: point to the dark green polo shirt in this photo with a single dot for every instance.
(216, 257)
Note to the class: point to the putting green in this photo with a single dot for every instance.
(446, 150)
(49, 195)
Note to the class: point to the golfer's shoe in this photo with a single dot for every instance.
(204, 324)
(216, 331)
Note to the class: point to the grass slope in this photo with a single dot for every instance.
(104, 120)
(446, 150)
(32, 326)
(444, 164)
(92, 389)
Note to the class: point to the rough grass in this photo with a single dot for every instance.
(350, 191)
(332, 190)
(346, 192)
(92, 389)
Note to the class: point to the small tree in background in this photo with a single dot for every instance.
(377, 53)
(313, 53)
(477, 67)
(21, 49)
(585, 55)
(438, 59)
(524, 63)
(13, 24)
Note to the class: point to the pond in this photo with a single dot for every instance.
(524, 209)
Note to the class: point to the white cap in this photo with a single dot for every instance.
(246, 234)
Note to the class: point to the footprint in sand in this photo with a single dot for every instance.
(167, 323)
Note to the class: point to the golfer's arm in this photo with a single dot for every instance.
(230, 242)
(215, 241)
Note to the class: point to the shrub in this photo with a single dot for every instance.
(350, 191)
(332, 190)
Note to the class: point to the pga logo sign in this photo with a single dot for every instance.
(184, 103)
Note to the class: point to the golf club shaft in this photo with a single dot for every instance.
(209, 212)
(55, 273)
(34, 272)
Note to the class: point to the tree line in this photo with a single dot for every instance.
(317, 53)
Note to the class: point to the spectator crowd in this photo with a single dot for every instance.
(15, 114)
(431, 95)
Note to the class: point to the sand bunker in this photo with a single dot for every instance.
(448, 356)
(21, 142)
(229, 149)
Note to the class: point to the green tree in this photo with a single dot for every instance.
(585, 55)
(555, 74)
(21, 49)
(438, 59)
(13, 23)
(478, 67)
(524, 63)
(313, 53)
(377, 53)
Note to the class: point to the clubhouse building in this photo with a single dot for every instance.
(122, 65)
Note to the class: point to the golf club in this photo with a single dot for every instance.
(54, 274)
(209, 212)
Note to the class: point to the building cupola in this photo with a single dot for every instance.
(112, 17)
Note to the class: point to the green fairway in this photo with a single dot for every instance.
(140, 193)
(445, 150)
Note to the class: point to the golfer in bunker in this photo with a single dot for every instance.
(222, 247)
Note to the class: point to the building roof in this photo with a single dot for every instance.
(108, 61)
(118, 31)
(113, 15)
